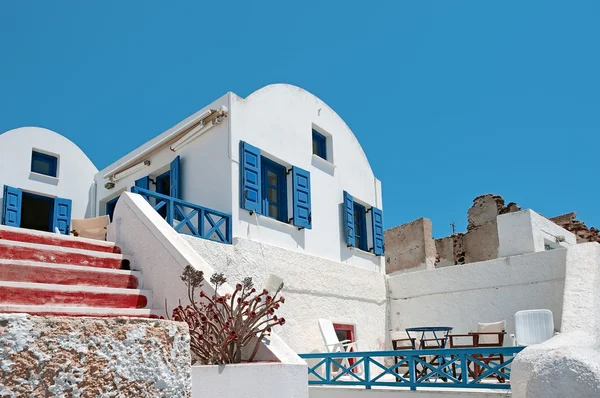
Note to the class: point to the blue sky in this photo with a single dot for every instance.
(450, 99)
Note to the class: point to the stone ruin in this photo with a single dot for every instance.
(411, 246)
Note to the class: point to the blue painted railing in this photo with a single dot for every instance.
(188, 218)
(431, 368)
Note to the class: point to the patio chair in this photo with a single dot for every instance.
(91, 228)
(402, 341)
(533, 327)
(333, 344)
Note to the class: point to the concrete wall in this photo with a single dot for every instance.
(463, 295)
(257, 380)
(278, 119)
(314, 288)
(90, 357)
(205, 166)
(75, 174)
(410, 246)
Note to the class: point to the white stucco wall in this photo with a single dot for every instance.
(75, 174)
(314, 288)
(257, 380)
(161, 254)
(278, 119)
(569, 363)
(528, 232)
(205, 166)
(488, 291)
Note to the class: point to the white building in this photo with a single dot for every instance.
(46, 180)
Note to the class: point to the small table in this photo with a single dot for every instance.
(440, 336)
(441, 330)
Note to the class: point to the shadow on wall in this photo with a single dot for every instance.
(259, 221)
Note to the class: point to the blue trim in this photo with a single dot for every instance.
(348, 218)
(377, 223)
(280, 202)
(12, 200)
(191, 216)
(301, 198)
(62, 215)
(161, 187)
(110, 207)
(360, 227)
(250, 178)
(50, 162)
(319, 144)
(411, 368)
(175, 178)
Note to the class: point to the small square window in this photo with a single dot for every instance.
(45, 164)
(319, 142)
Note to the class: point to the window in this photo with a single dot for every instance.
(42, 163)
(319, 142)
(360, 227)
(274, 190)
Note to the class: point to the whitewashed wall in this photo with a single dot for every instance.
(488, 291)
(278, 119)
(75, 170)
(205, 166)
(314, 288)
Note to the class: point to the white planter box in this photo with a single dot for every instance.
(250, 380)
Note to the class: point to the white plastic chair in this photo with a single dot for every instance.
(533, 327)
(333, 344)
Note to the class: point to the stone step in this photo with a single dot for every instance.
(13, 250)
(48, 294)
(64, 274)
(56, 310)
(53, 239)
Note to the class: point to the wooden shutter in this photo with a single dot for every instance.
(62, 216)
(11, 206)
(250, 187)
(349, 219)
(301, 198)
(175, 178)
(377, 221)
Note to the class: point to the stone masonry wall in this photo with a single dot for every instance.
(93, 357)
(410, 246)
(583, 233)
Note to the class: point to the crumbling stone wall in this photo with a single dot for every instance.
(409, 246)
(93, 357)
(581, 231)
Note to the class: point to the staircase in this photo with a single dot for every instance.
(43, 273)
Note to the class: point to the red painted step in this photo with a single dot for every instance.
(80, 311)
(50, 294)
(62, 274)
(14, 250)
(48, 238)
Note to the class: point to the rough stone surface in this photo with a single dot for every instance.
(409, 246)
(93, 357)
(481, 243)
(314, 288)
(583, 233)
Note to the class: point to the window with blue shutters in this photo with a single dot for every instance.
(274, 190)
(45, 164)
(356, 233)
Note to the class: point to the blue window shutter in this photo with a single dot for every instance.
(349, 219)
(11, 206)
(378, 242)
(175, 178)
(62, 215)
(144, 183)
(250, 188)
(301, 199)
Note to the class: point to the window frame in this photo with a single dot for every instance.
(360, 228)
(50, 160)
(282, 197)
(321, 142)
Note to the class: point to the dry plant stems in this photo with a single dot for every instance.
(221, 326)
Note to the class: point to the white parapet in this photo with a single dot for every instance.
(528, 232)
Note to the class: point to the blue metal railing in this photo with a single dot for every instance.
(431, 368)
(188, 218)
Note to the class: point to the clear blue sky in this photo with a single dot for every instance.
(449, 99)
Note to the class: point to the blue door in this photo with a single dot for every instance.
(11, 206)
(62, 216)
(175, 179)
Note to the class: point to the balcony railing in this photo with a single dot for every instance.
(188, 218)
(430, 368)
